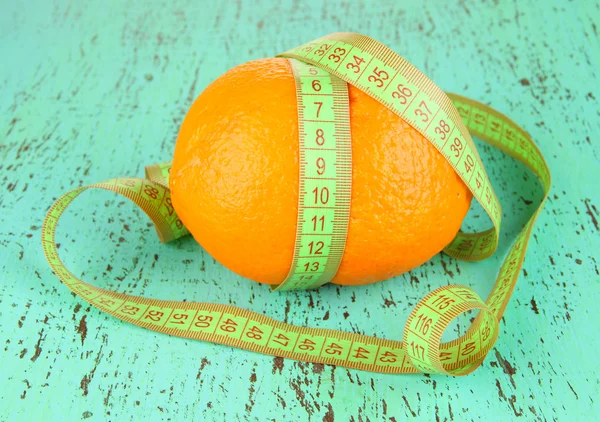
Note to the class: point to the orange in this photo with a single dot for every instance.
(234, 181)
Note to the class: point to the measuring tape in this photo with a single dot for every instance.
(325, 184)
(446, 120)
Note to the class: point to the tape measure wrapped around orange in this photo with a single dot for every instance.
(240, 183)
(234, 181)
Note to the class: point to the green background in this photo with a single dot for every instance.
(95, 89)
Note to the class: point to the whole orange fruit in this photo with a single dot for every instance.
(235, 173)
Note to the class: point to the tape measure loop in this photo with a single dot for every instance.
(430, 318)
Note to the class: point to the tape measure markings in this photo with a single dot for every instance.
(425, 94)
(475, 246)
(421, 348)
(326, 170)
(218, 323)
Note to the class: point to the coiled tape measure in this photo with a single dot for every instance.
(321, 70)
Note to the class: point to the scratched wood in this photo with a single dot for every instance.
(90, 90)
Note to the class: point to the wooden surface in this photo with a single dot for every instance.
(91, 90)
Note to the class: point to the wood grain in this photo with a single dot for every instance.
(90, 90)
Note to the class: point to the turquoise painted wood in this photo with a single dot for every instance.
(95, 89)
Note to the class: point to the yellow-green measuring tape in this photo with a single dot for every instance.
(325, 183)
(321, 69)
